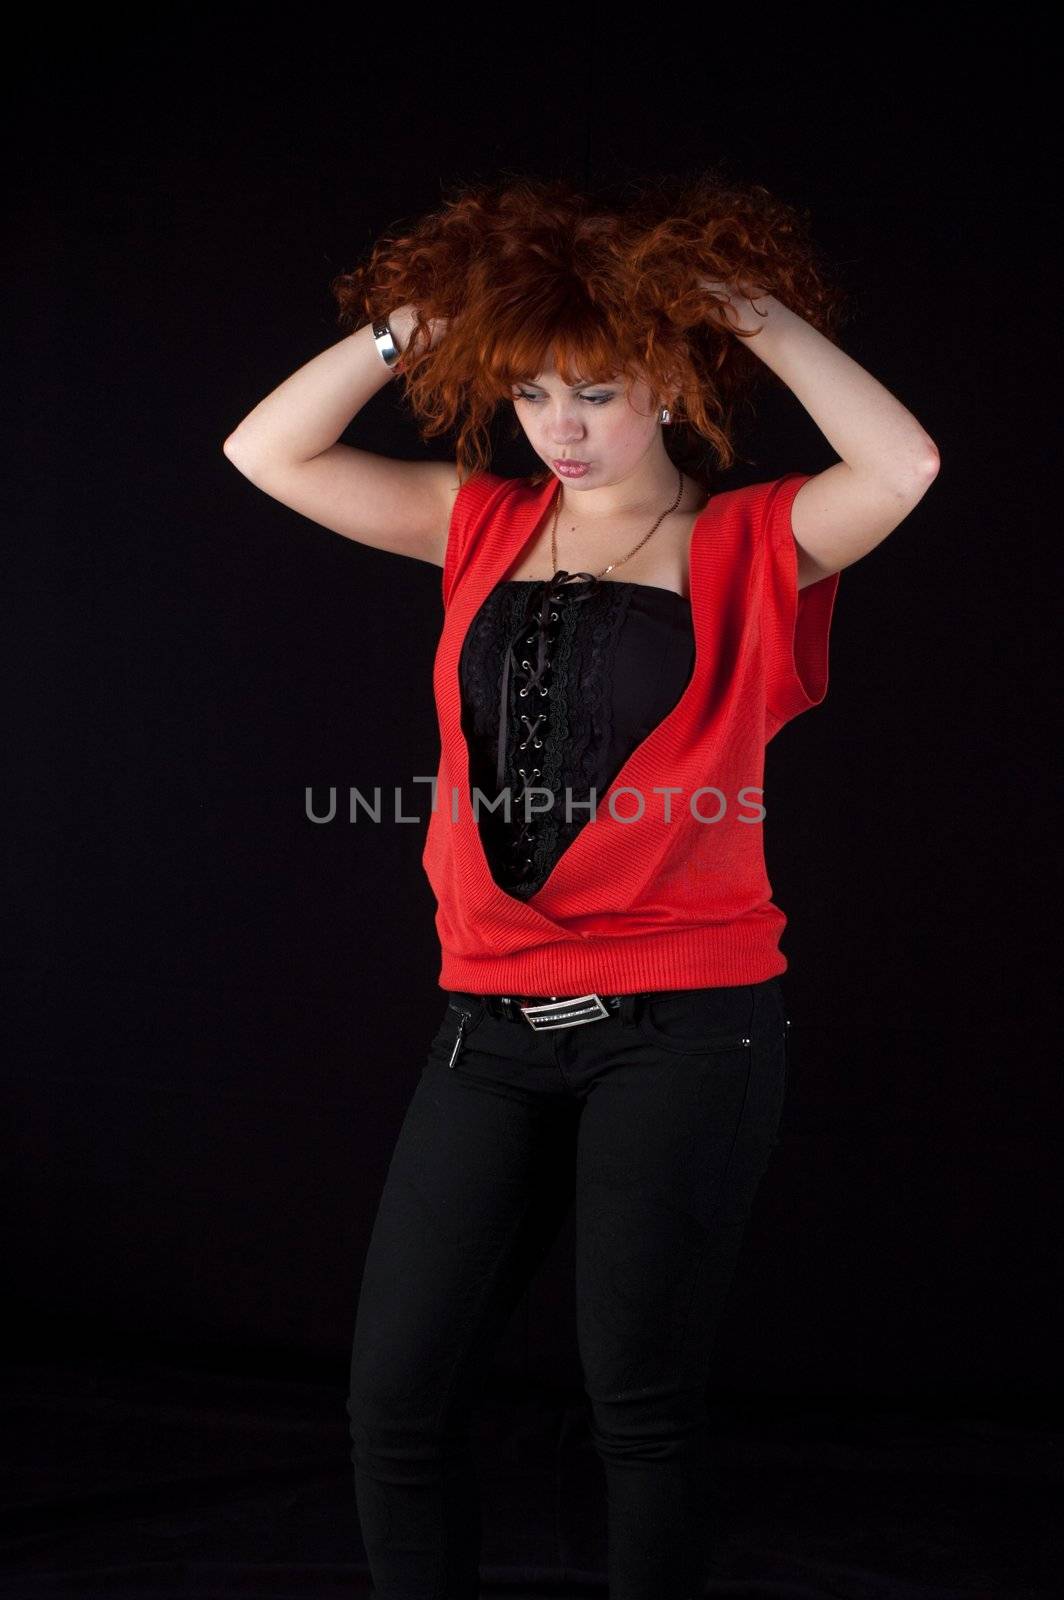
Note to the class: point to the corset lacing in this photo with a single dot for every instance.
(540, 616)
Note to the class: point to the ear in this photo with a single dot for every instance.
(672, 393)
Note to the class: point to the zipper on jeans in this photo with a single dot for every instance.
(463, 1018)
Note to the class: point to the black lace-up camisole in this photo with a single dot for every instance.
(560, 681)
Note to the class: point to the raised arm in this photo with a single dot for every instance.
(287, 446)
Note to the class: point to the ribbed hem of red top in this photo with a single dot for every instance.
(681, 958)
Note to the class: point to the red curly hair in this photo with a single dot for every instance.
(609, 282)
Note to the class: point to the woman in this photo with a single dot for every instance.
(619, 644)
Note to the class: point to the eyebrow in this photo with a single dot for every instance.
(586, 383)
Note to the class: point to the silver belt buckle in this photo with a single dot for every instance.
(568, 1013)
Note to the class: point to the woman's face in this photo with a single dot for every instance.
(598, 423)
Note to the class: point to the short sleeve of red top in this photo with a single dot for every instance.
(795, 623)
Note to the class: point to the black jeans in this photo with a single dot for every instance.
(658, 1121)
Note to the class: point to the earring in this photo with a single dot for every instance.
(665, 415)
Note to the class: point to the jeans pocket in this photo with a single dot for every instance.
(463, 1015)
(695, 1021)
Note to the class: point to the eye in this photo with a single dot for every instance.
(595, 399)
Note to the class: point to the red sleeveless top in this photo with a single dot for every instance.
(665, 887)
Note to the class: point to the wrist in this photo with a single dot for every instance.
(401, 321)
(743, 309)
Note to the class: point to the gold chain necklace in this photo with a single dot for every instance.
(605, 570)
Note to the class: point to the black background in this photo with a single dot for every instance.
(218, 1010)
